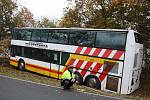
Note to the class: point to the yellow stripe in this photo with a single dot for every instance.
(90, 59)
(69, 59)
(14, 63)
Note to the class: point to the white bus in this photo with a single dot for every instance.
(108, 59)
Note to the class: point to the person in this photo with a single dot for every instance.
(68, 78)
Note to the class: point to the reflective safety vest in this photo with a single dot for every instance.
(67, 75)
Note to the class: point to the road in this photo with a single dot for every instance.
(13, 89)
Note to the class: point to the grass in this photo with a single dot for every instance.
(11, 71)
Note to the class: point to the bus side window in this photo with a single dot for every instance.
(82, 38)
(112, 40)
(18, 51)
(12, 53)
(64, 58)
(53, 57)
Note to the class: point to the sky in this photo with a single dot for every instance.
(52, 9)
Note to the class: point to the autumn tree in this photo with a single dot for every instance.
(45, 23)
(7, 8)
(24, 18)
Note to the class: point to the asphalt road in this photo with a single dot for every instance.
(13, 89)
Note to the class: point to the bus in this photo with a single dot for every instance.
(107, 59)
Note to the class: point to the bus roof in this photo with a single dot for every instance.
(75, 28)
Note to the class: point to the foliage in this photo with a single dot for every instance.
(24, 18)
(45, 23)
(7, 8)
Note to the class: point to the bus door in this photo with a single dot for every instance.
(54, 63)
(64, 57)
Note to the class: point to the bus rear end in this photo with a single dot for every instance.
(133, 63)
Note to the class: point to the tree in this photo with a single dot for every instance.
(71, 19)
(45, 23)
(24, 18)
(7, 8)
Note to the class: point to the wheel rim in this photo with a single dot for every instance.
(21, 66)
(92, 82)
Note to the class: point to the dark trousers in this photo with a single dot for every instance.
(66, 83)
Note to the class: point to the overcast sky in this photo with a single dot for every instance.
(52, 9)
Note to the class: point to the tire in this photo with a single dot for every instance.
(92, 81)
(78, 78)
(21, 65)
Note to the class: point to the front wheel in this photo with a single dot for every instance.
(21, 65)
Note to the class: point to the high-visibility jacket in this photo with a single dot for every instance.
(67, 75)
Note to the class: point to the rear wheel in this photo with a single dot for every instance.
(92, 81)
(21, 65)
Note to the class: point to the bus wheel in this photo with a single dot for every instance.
(21, 65)
(78, 78)
(92, 81)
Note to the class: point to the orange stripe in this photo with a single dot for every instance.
(13, 60)
(41, 68)
(45, 69)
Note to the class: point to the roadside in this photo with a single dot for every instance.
(34, 91)
(10, 71)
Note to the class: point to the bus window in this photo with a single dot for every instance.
(53, 57)
(12, 53)
(39, 35)
(58, 37)
(27, 52)
(85, 38)
(21, 34)
(36, 35)
(64, 58)
(112, 40)
(18, 51)
(17, 34)
(44, 36)
(25, 34)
